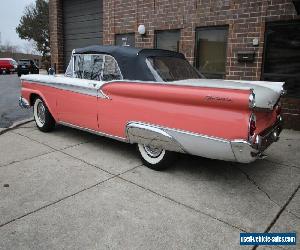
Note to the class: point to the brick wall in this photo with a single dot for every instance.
(56, 34)
(245, 20)
(291, 113)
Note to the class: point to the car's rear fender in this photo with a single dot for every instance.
(222, 113)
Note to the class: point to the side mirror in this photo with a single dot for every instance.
(51, 72)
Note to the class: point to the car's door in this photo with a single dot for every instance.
(77, 101)
(108, 118)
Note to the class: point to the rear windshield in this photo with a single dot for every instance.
(170, 69)
(24, 62)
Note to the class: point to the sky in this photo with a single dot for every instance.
(10, 13)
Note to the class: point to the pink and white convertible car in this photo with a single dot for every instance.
(157, 100)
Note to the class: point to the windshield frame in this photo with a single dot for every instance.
(70, 71)
(13, 62)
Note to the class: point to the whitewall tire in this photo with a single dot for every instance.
(43, 118)
(155, 158)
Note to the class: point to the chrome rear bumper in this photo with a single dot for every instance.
(246, 152)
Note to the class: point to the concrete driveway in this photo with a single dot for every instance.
(72, 190)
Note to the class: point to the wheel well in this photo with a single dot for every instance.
(32, 98)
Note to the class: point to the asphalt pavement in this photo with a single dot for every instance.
(69, 189)
(10, 112)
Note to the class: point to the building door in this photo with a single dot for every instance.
(82, 22)
(282, 55)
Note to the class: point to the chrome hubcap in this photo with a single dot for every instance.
(152, 151)
(41, 112)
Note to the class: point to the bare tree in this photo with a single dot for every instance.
(8, 47)
(30, 48)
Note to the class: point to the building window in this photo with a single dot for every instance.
(125, 39)
(167, 39)
(211, 45)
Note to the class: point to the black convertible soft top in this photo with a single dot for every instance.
(132, 61)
